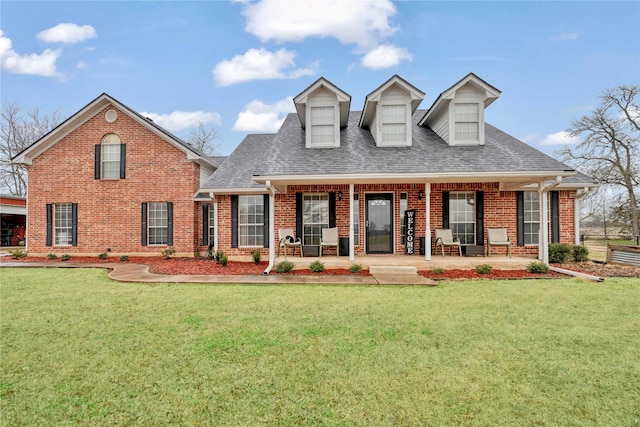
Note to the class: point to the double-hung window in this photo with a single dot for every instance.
(356, 220)
(63, 224)
(322, 126)
(251, 220)
(158, 223)
(211, 223)
(315, 217)
(110, 158)
(467, 119)
(462, 216)
(531, 217)
(394, 124)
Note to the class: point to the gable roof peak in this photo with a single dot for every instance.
(368, 111)
(343, 98)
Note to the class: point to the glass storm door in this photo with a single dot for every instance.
(379, 223)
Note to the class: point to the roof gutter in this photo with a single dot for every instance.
(272, 220)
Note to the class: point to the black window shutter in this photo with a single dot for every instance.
(266, 220)
(332, 210)
(169, 223)
(144, 225)
(49, 224)
(555, 217)
(205, 224)
(299, 225)
(74, 224)
(234, 221)
(479, 218)
(445, 209)
(123, 157)
(96, 163)
(520, 217)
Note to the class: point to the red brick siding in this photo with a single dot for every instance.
(109, 211)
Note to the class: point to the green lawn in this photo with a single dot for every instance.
(77, 348)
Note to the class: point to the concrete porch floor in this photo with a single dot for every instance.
(447, 262)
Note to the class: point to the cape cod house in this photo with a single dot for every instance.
(110, 179)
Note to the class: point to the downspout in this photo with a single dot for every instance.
(272, 225)
(543, 249)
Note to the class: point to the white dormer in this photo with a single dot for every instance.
(457, 116)
(387, 112)
(323, 109)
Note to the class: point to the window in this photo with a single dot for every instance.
(111, 156)
(467, 121)
(322, 126)
(394, 127)
(315, 208)
(63, 224)
(403, 225)
(251, 220)
(531, 217)
(356, 220)
(211, 223)
(462, 217)
(158, 223)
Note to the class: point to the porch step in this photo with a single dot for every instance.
(392, 269)
(398, 275)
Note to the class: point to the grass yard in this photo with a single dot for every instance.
(77, 348)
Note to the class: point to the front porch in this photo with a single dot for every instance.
(448, 262)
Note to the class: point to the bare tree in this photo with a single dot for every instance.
(610, 150)
(203, 139)
(18, 132)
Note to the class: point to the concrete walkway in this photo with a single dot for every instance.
(132, 272)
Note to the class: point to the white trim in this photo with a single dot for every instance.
(351, 229)
(13, 209)
(393, 217)
(576, 220)
(427, 234)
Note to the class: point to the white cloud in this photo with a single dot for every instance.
(264, 118)
(361, 23)
(258, 64)
(180, 120)
(43, 64)
(560, 138)
(385, 56)
(565, 37)
(67, 33)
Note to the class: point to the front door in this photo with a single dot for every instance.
(379, 223)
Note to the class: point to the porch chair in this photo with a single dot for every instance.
(498, 237)
(444, 237)
(287, 240)
(330, 238)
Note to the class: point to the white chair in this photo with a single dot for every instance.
(286, 240)
(498, 237)
(330, 238)
(444, 238)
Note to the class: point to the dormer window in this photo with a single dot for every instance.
(394, 125)
(467, 121)
(323, 127)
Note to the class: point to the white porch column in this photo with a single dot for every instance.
(351, 231)
(215, 226)
(543, 239)
(427, 231)
(576, 220)
(272, 227)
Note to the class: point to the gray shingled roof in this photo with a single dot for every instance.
(285, 154)
(236, 171)
(429, 153)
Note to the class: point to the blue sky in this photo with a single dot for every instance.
(236, 65)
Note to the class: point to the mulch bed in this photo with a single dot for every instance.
(193, 266)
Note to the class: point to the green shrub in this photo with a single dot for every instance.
(484, 269)
(538, 267)
(103, 255)
(256, 254)
(65, 257)
(217, 254)
(580, 253)
(18, 253)
(52, 256)
(168, 253)
(438, 270)
(124, 258)
(355, 268)
(284, 267)
(316, 267)
(559, 253)
(223, 259)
